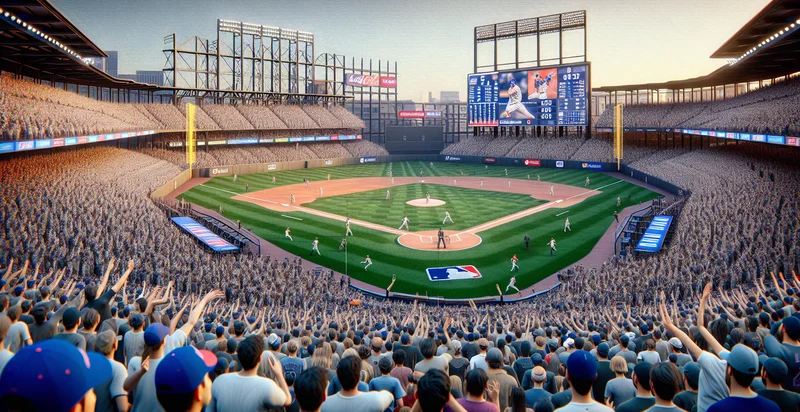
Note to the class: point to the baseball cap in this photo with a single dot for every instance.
(70, 317)
(792, 325)
(642, 370)
(273, 340)
(692, 372)
(155, 334)
(675, 342)
(776, 368)
(53, 367)
(602, 349)
(582, 365)
(483, 343)
(105, 340)
(137, 320)
(539, 374)
(494, 356)
(183, 370)
(742, 359)
(404, 339)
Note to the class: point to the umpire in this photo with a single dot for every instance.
(527, 240)
(441, 240)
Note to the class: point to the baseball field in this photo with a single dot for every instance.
(492, 209)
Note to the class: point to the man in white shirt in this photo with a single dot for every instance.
(349, 399)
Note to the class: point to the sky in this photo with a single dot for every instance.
(629, 41)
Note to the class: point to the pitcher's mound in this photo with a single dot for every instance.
(423, 203)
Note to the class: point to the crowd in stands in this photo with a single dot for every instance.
(89, 263)
(33, 111)
(768, 110)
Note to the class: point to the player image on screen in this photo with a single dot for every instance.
(541, 80)
(515, 102)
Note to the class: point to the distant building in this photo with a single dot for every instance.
(449, 97)
(111, 63)
(127, 76)
(431, 99)
(155, 77)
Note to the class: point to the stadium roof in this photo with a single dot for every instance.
(37, 40)
(777, 58)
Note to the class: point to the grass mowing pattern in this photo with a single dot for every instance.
(467, 207)
(589, 220)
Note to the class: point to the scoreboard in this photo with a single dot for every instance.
(549, 96)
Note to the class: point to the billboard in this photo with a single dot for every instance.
(362, 80)
(369, 159)
(532, 162)
(592, 166)
(550, 96)
(388, 82)
(452, 159)
(489, 160)
(411, 114)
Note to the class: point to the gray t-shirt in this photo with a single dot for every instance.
(73, 338)
(144, 394)
(651, 357)
(437, 362)
(134, 345)
(585, 407)
(233, 392)
(5, 356)
(110, 390)
(620, 390)
(363, 402)
(17, 335)
(711, 384)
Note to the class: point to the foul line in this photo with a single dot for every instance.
(292, 217)
(566, 211)
(594, 190)
(239, 194)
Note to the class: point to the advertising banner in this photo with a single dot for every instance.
(793, 141)
(323, 138)
(592, 166)
(328, 162)
(206, 236)
(6, 147)
(362, 80)
(24, 145)
(272, 167)
(775, 139)
(758, 137)
(489, 160)
(266, 140)
(281, 139)
(248, 140)
(388, 82)
(532, 162)
(411, 114)
(216, 142)
(370, 159)
(452, 159)
(58, 142)
(219, 171)
(44, 143)
(560, 164)
(435, 114)
(295, 139)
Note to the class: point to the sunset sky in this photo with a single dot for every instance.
(630, 41)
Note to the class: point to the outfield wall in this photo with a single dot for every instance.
(494, 161)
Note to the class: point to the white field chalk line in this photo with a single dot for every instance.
(594, 190)
(291, 217)
(239, 194)
(566, 211)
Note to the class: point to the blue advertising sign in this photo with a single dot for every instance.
(206, 236)
(592, 165)
(323, 138)
(44, 143)
(248, 140)
(775, 139)
(295, 139)
(70, 141)
(452, 159)
(6, 147)
(370, 159)
(654, 236)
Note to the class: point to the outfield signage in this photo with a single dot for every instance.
(452, 159)
(204, 235)
(370, 159)
(560, 164)
(773, 139)
(453, 273)
(489, 160)
(328, 162)
(272, 167)
(24, 145)
(6, 147)
(592, 165)
(653, 238)
(218, 171)
(532, 162)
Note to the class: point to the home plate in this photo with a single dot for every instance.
(425, 202)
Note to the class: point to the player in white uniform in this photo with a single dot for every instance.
(552, 244)
(315, 247)
(329, 176)
(287, 234)
(506, 171)
(538, 179)
(388, 195)
(619, 201)
(587, 182)
(427, 198)
(540, 86)
(320, 192)
(515, 102)
(347, 225)
(308, 184)
(235, 177)
(509, 183)
(405, 223)
(291, 198)
(514, 260)
(481, 182)
(512, 284)
(368, 261)
(447, 217)
(552, 192)
(566, 226)
(454, 182)
(273, 179)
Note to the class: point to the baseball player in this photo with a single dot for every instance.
(529, 177)
(420, 172)
(512, 284)
(347, 225)
(220, 209)
(552, 192)
(506, 171)
(587, 182)
(329, 176)
(392, 180)
(527, 240)
(343, 245)
(287, 234)
(514, 260)
(388, 195)
(514, 102)
(246, 187)
(454, 182)
(509, 183)
(441, 239)
(320, 192)
(540, 86)
(447, 217)
(619, 202)
(234, 178)
(566, 226)
(291, 198)
(552, 244)
(390, 174)
(273, 179)
(368, 261)
(616, 216)
(427, 198)
(481, 182)
(404, 224)
(308, 183)
(538, 179)
(315, 247)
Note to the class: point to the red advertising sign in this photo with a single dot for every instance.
(58, 142)
(390, 82)
(83, 139)
(335, 137)
(411, 114)
(362, 80)
(489, 160)
(533, 163)
(793, 141)
(358, 137)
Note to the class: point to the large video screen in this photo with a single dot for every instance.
(549, 96)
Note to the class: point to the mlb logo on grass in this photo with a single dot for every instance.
(453, 273)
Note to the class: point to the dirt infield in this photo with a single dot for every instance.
(277, 199)
(426, 203)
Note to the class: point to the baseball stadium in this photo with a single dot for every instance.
(256, 221)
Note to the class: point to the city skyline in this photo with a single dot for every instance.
(628, 41)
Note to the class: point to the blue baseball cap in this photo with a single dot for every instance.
(155, 334)
(55, 368)
(512, 81)
(183, 370)
(742, 359)
(582, 365)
